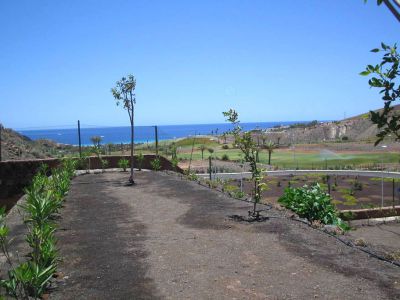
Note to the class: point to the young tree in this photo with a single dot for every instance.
(124, 93)
(385, 76)
(249, 148)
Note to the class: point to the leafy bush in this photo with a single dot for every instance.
(312, 203)
(174, 163)
(104, 163)
(225, 157)
(156, 164)
(225, 146)
(192, 176)
(140, 159)
(123, 164)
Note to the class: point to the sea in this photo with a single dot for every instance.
(142, 134)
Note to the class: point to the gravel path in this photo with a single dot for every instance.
(169, 238)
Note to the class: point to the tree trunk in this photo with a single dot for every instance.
(269, 158)
(132, 145)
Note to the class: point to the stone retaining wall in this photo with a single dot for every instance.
(15, 175)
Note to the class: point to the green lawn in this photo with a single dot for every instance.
(302, 160)
(280, 158)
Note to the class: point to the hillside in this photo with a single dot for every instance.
(357, 128)
(15, 146)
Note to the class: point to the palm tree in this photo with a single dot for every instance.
(270, 146)
(96, 140)
(202, 148)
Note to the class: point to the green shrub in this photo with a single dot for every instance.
(238, 194)
(192, 176)
(225, 157)
(43, 202)
(104, 163)
(140, 159)
(156, 164)
(123, 164)
(313, 204)
(225, 146)
(174, 163)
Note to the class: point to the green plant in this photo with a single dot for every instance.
(357, 186)
(140, 159)
(156, 164)
(192, 176)
(313, 204)
(225, 146)
(123, 164)
(83, 162)
(104, 164)
(225, 157)
(43, 202)
(174, 163)
(238, 194)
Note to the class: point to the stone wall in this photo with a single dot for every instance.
(15, 175)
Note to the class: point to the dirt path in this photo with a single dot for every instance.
(172, 239)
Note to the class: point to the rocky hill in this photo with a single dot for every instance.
(357, 128)
(16, 146)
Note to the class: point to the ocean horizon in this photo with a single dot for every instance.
(142, 134)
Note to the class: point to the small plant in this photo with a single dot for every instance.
(156, 164)
(225, 146)
(394, 255)
(123, 164)
(360, 242)
(357, 186)
(140, 159)
(225, 157)
(192, 176)
(174, 163)
(104, 164)
(238, 194)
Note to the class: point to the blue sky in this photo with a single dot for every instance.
(271, 60)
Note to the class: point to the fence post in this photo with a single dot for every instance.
(209, 166)
(79, 137)
(156, 136)
(1, 127)
(393, 192)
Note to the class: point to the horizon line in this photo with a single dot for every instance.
(87, 126)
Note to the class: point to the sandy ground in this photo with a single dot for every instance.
(384, 239)
(169, 238)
